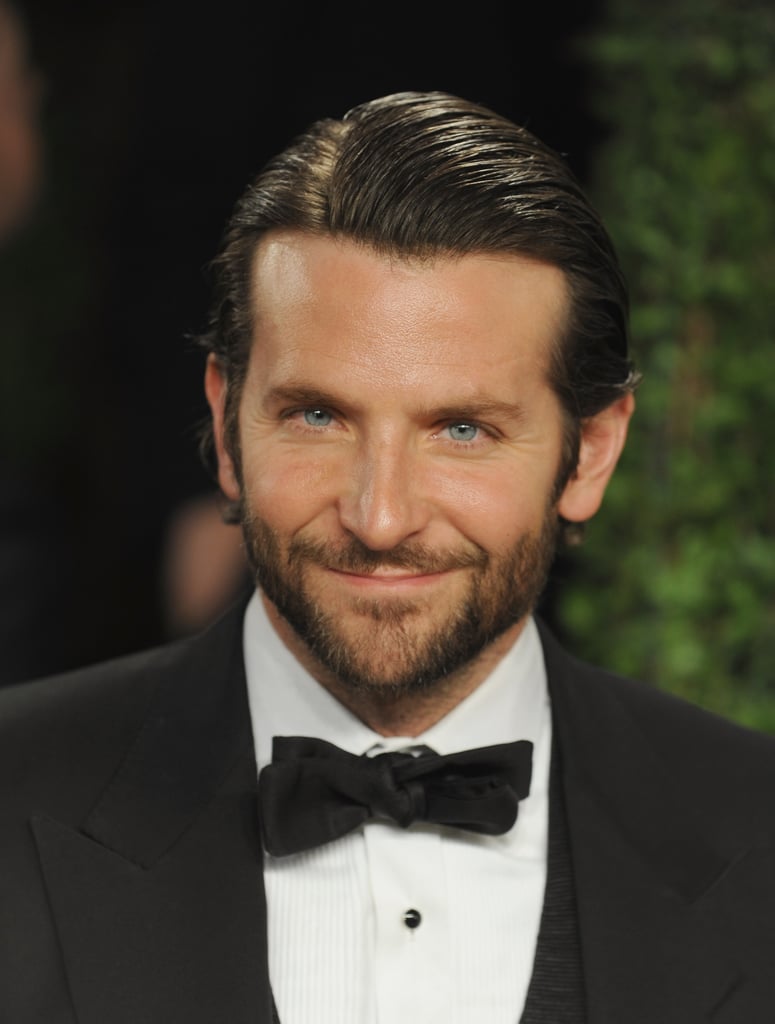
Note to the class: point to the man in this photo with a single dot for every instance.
(418, 378)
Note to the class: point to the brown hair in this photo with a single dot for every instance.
(423, 174)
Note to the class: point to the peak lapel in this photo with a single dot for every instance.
(654, 891)
(158, 897)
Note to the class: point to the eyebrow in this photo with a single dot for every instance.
(477, 408)
(301, 394)
(474, 408)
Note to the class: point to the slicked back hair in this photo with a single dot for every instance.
(418, 175)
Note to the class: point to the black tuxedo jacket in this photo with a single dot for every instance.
(130, 881)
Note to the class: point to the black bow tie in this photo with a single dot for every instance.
(313, 792)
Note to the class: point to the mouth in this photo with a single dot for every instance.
(385, 580)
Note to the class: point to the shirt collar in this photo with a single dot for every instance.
(285, 700)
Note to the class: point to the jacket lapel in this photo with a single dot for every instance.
(158, 896)
(653, 891)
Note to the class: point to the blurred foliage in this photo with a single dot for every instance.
(675, 582)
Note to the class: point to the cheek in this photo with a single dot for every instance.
(288, 490)
(494, 506)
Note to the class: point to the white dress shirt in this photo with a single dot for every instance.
(340, 951)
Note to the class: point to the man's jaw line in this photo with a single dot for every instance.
(391, 711)
(355, 617)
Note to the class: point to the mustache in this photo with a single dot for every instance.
(356, 557)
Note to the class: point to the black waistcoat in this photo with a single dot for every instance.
(556, 991)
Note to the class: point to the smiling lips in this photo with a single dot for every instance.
(386, 578)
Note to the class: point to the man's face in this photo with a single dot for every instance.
(399, 445)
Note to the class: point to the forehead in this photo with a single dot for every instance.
(331, 300)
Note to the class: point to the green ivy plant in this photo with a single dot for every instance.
(675, 582)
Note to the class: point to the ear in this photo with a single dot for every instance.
(602, 441)
(215, 389)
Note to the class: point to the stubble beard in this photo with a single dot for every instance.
(393, 649)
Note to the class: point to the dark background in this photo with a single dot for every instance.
(155, 116)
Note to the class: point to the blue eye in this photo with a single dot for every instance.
(317, 417)
(463, 431)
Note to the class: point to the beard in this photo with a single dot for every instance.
(394, 648)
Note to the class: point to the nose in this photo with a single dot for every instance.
(384, 503)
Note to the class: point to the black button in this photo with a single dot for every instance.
(412, 918)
